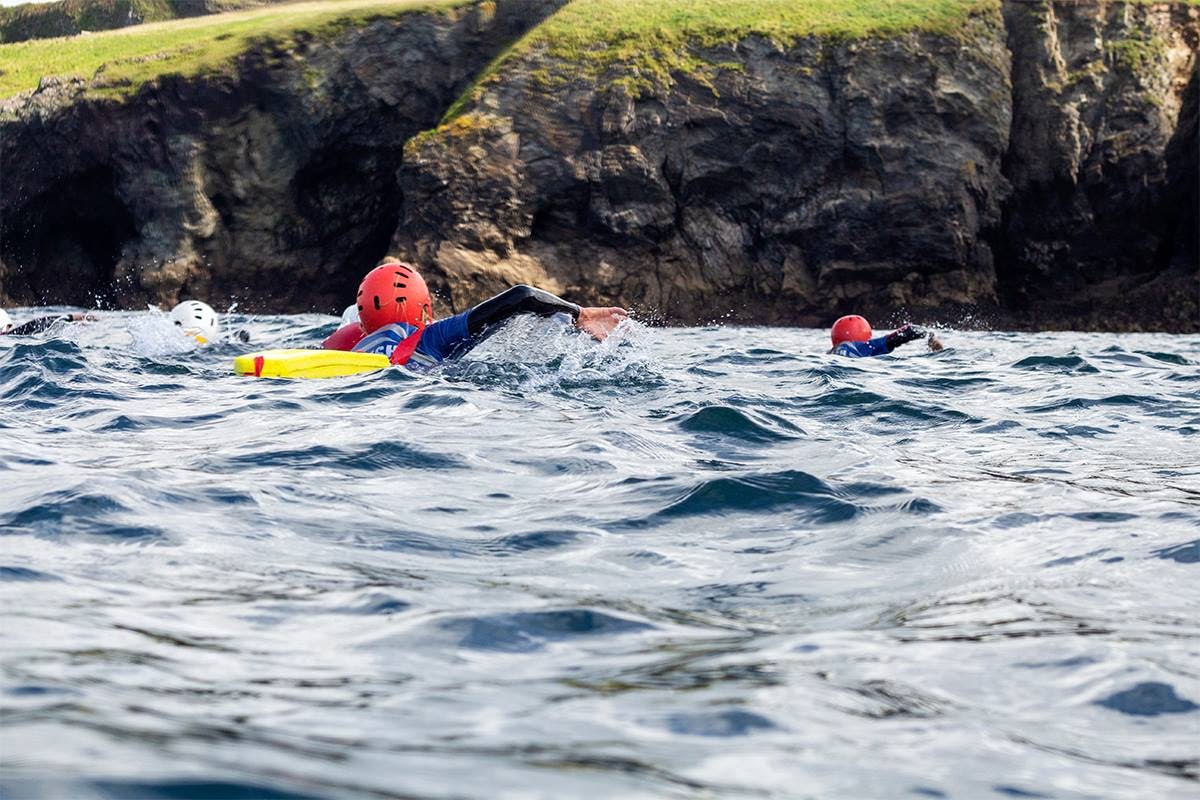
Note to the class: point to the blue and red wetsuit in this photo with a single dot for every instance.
(440, 340)
(880, 345)
(452, 337)
(873, 347)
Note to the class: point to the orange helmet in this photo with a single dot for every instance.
(393, 292)
(852, 328)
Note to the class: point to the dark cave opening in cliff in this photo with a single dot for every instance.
(63, 246)
(349, 205)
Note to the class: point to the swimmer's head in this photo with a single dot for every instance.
(393, 292)
(6, 324)
(852, 328)
(197, 320)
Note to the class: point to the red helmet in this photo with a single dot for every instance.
(393, 292)
(852, 328)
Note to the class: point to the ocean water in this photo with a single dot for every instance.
(686, 563)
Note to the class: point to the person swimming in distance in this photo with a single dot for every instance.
(199, 321)
(396, 318)
(851, 337)
(40, 323)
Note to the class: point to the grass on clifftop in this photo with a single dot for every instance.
(128, 57)
(650, 40)
(69, 17)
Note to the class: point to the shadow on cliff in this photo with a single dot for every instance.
(63, 246)
(1100, 230)
(1181, 245)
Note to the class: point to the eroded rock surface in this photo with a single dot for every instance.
(787, 185)
(272, 187)
(1102, 225)
(1037, 168)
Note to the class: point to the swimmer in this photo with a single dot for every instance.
(197, 320)
(852, 338)
(396, 318)
(40, 324)
(200, 322)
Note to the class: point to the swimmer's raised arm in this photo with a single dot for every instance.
(597, 321)
(903, 335)
(45, 323)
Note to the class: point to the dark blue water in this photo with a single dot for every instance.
(689, 563)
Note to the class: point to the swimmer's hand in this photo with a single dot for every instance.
(903, 336)
(935, 344)
(599, 322)
(80, 316)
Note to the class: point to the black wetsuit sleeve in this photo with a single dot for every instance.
(903, 336)
(517, 300)
(37, 325)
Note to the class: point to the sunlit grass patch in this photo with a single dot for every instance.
(128, 57)
(648, 41)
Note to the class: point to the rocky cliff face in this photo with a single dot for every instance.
(790, 184)
(275, 186)
(1102, 225)
(1038, 167)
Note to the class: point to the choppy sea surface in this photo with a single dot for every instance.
(685, 563)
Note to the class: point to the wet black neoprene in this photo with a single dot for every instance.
(517, 300)
(38, 325)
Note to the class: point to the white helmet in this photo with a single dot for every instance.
(5, 321)
(197, 319)
(350, 315)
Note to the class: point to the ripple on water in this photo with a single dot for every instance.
(1186, 553)
(802, 494)
(721, 723)
(25, 574)
(530, 631)
(193, 790)
(1149, 699)
(536, 541)
(388, 455)
(860, 406)
(736, 424)
(374, 603)
(1063, 364)
(79, 512)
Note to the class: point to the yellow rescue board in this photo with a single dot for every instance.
(307, 363)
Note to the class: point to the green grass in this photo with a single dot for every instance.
(68, 17)
(641, 44)
(649, 41)
(127, 58)
(1136, 53)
